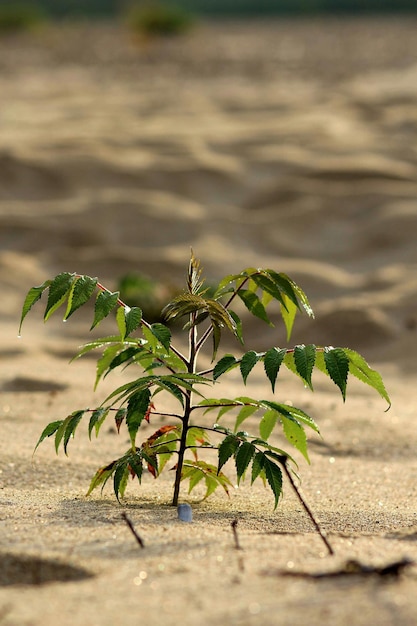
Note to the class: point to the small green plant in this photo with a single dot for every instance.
(181, 438)
(158, 19)
(19, 16)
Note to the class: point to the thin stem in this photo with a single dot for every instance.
(187, 410)
(306, 507)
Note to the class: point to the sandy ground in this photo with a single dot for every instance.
(289, 145)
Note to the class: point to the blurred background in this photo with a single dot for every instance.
(275, 134)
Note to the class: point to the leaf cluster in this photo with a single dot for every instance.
(163, 368)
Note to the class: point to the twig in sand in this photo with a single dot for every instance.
(235, 535)
(132, 529)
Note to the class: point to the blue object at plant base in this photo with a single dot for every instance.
(185, 513)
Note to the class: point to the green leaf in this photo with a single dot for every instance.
(81, 291)
(227, 449)
(48, 431)
(296, 413)
(105, 302)
(263, 281)
(257, 466)
(133, 317)
(337, 365)
(244, 413)
(97, 418)
(120, 479)
(136, 465)
(32, 297)
(247, 363)
(226, 363)
(288, 313)
(124, 357)
(243, 457)
(163, 334)
(272, 363)
(137, 407)
(304, 359)
(253, 304)
(209, 472)
(128, 319)
(359, 367)
(104, 362)
(59, 289)
(72, 424)
(274, 477)
(267, 423)
(238, 326)
(295, 433)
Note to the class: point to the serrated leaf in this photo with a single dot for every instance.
(209, 472)
(247, 363)
(104, 361)
(238, 332)
(337, 365)
(274, 477)
(272, 363)
(81, 291)
(120, 417)
(133, 317)
(96, 419)
(226, 363)
(288, 314)
(48, 431)
(120, 479)
(105, 302)
(32, 297)
(295, 433)
(359, 367)
(244, 413)
(71, 426)
(304, 359)
(243, 457)
(128, 319)
(137, 407)
(227, 449)
(293, 411)
(59, 289)
(267, 423)
(163, 334)
(123, 357)
(257, 466)
(253, 304)
(263, 281)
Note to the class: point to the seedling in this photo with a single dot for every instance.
(189, 431)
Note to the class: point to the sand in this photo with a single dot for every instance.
(288, 145)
